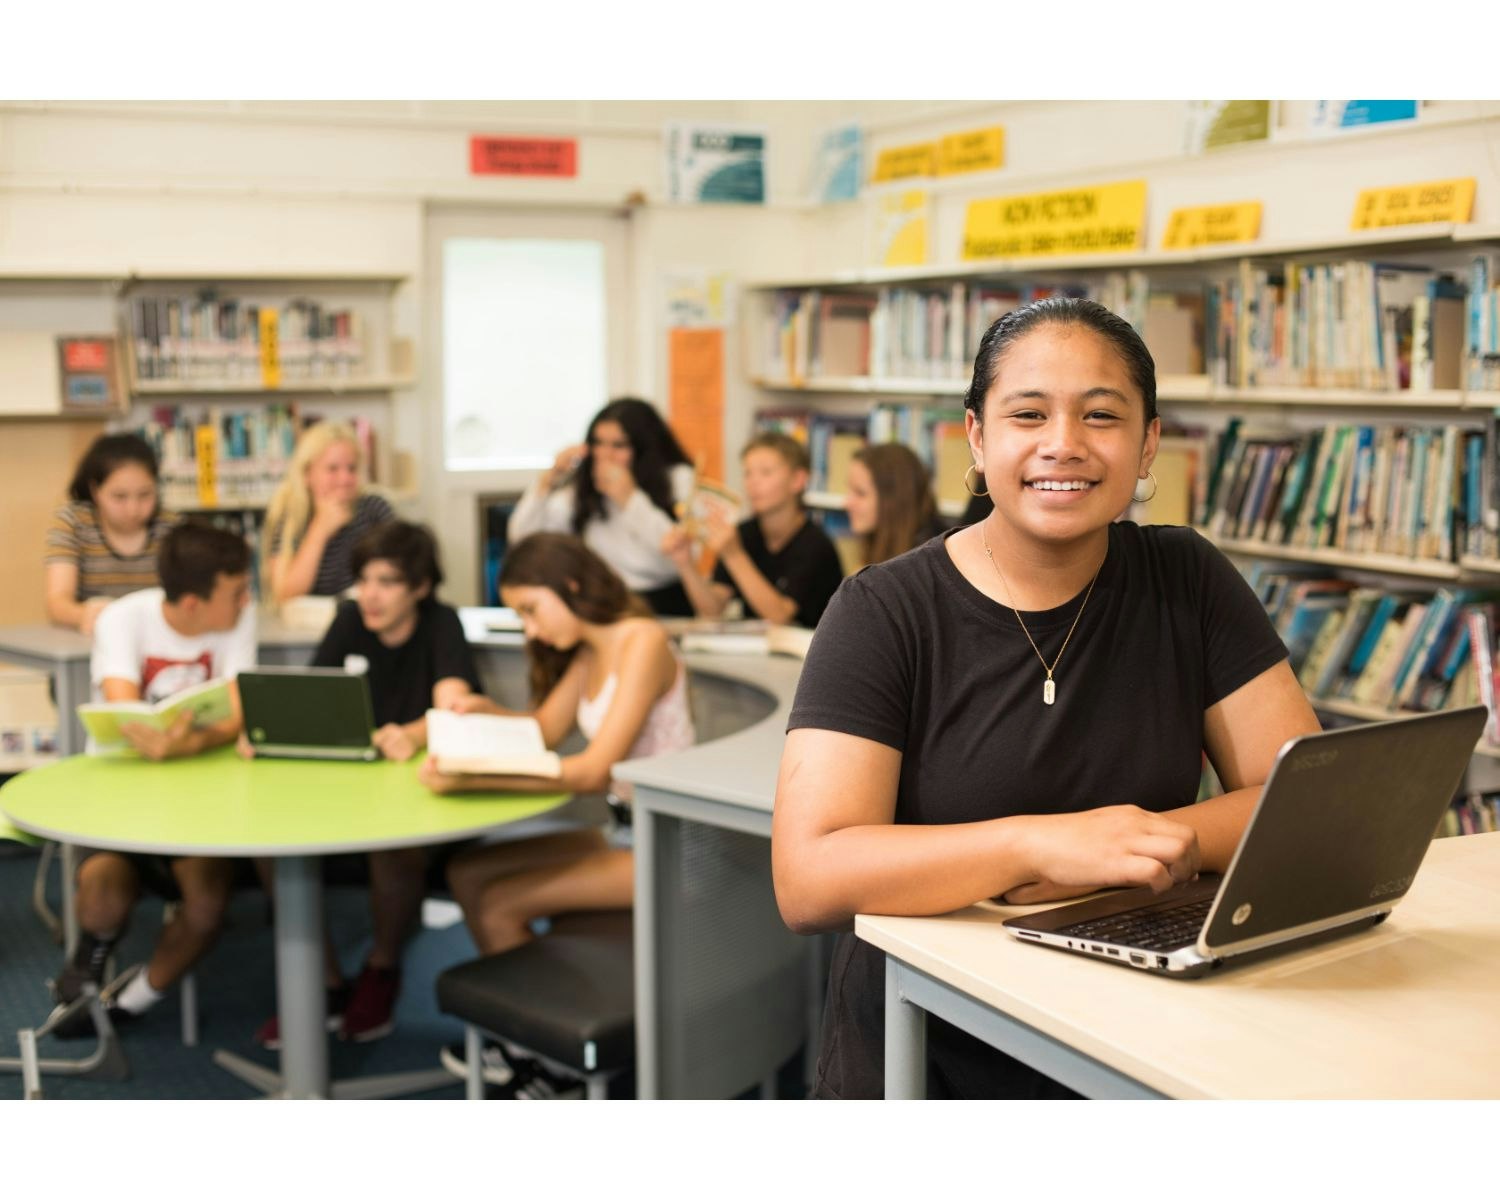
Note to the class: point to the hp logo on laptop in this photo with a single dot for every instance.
(1306, 762)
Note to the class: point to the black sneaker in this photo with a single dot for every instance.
(81, 1023)
(533, 1081)
(86, 965)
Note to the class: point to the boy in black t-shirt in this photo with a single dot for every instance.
(778, 562)
(413, 651)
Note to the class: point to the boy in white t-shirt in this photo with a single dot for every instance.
(199, 625)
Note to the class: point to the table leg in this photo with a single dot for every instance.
(905, 1041)
(71, 687)
(68, 885)
(300, 1003)
(646, 937)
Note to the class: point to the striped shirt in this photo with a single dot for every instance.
(77, 539)
(335, 575)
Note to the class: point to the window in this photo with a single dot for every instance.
(523, 349)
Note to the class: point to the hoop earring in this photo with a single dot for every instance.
(1140, 499)
(968, 487)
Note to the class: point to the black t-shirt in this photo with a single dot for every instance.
(913, 656)
(401, 677)
(806, 569)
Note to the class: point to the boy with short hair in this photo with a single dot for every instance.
(413, 651)
(149, 645)
(778, 561)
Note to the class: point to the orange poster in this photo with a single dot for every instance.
(695, 396)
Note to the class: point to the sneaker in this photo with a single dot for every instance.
(532, 1081)
(336, 999)
(81, 1023)
(493, 1067)
(372, 1007)
(86, 965)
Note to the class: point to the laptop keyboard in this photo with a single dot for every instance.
(1147, 929)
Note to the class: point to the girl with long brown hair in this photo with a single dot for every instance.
(889, 501)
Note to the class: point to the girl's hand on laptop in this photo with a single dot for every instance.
(394, 742)
(1119, 846)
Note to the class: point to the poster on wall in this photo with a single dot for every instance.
(1214, 124)
(838, 165)
(694, 299)
(1334, 116)
(715, 164)
(899, 228)
(695, 396)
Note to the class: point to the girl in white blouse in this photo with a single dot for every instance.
(618, 492)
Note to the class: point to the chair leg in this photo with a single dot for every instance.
(474, 1081)
(39, 903)
(188, 991)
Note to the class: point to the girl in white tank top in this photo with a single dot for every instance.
(599, 663)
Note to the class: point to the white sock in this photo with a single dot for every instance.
(138, 995)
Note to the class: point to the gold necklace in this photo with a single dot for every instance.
(1049, 689)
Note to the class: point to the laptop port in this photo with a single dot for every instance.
(1138, 959)
(1097, 949)
(1113, 953)
(1161, 961)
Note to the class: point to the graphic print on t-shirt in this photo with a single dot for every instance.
(163, 677)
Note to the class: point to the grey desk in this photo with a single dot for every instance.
(1402, 1011)
(63, 655)
(724, 992)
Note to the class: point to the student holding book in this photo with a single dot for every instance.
(778, 562)
(600, 663)
(412, 649)
(104, 541)
(199, 625)
(317, 514)
(889, 502)
(1020, 708)
(619, 492)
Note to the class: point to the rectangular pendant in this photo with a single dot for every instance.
(1049, 692)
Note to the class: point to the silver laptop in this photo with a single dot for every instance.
(1341, 827)
(308, 712)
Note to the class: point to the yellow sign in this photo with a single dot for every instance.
(1415, 204)
(1212, 225)
(977, 150)
(1107, 219)
(901, 229)
(905, 162)
(207, 454)
(270, 350)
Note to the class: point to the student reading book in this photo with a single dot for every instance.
(208, 703)
(150, 646)
(598, 661)
(412, 649)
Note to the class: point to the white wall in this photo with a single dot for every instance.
(307, 187)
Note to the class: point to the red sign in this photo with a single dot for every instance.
(523, 156)
(79, 355)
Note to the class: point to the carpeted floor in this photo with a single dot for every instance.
(236, 990)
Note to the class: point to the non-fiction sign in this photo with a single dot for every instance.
(1414, 204)
(1107, 219)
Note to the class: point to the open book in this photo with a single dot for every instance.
(484, 744)
(208, 702)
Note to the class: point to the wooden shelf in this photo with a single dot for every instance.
(1369, 712)
(292, 387)
(1337, 397)
(1381, 564)
(1479, 566)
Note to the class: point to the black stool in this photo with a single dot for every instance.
(569, 997)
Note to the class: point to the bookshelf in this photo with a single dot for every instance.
(1243, 333)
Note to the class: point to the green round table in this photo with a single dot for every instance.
(218, 804)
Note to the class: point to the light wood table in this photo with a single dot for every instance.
(1409, 1009)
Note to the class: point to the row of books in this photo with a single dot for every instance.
(933, 333)
(936, 436)
(1416, 491)
(1483, 323)
(1474, 813)
(228, 341)
(1417, 651)
(215, 456)
(1354, 324)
